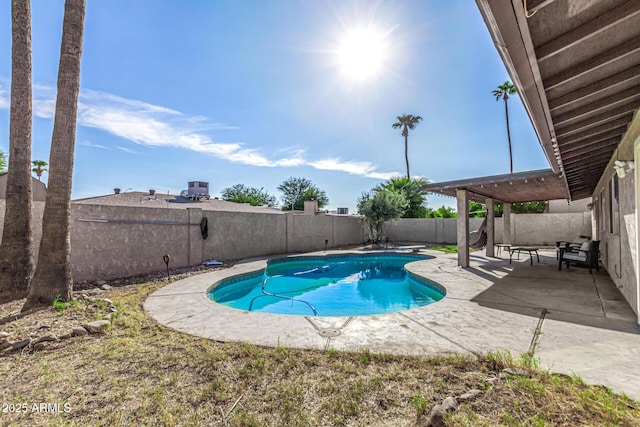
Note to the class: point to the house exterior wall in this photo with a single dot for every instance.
(616, 221)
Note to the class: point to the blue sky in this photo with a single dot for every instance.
(254, 92)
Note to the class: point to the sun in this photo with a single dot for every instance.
(362, 53)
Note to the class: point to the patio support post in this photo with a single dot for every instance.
(490, 228)
(463, 227)
(506, 222)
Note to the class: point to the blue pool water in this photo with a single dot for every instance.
(348, 285)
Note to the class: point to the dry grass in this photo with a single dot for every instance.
(141, 373)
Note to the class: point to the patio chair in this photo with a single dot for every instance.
(573, 245)
(586, 255)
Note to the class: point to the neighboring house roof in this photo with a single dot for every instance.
(576, 65)
(143, 199)
(511, 188)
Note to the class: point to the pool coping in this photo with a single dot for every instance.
(184, 306)
(603, 348)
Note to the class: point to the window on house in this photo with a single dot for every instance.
(615, 205)
(603, 204)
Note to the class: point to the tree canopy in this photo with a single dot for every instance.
(3, 162)
(442, 212)
(412, 189)
(240, 193)
(39, 168)
(295, 191)
(378, 207)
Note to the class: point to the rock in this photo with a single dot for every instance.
(105, 287)
(21, 344)
(4, 335)
(97, 326)
(449, 404)
(113, 310)
(471, 394)
(101, 282)
(436, 418)
(79, 331)
(5, 344)
(516, 371)
(47, 338)
(491, 381)
(66, 336)
(41, 327)
(502, 376)
(94, 291)
(41, 345)
(105, 300)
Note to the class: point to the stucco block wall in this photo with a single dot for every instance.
(236, 235)
(348, 230)
(107, 250)
(37, 210)
(103, 250)
(426, 230)
(526, 229)
(547, 229)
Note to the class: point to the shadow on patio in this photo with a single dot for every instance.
(573, 296)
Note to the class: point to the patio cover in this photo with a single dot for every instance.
(576, 64)
(510, 188)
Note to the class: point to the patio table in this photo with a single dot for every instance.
(531, 249)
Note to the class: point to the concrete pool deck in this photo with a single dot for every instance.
(582, 323)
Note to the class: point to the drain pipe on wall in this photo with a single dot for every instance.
(126, 221)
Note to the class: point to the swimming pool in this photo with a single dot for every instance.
(345, 285)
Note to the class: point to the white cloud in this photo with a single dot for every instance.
(126, 150)
(354, 168)
(156, 126)
(91, 144)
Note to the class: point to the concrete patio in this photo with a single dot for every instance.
(572, 321)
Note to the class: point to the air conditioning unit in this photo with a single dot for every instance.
(198, 190)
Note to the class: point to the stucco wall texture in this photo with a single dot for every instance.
(117, 241)
(134, 240)
(526, 229)
(618, 248)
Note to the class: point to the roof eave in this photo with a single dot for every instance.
(509, 23)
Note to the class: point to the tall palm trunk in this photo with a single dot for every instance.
(506, 112)
(16, 250)
(405, 133)
(52, 278)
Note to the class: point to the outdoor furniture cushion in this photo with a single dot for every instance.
(585, 246)
(587, 257)
(575, 256)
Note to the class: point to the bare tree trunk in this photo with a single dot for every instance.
(506, 112)
(405, 133)
(16, 251)
(52, 278)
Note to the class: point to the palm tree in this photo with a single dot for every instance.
(52, 278)
(406, 122)
(503, 91)
(413, 191)
(39, 167)
(3, 161)
(16, 250)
